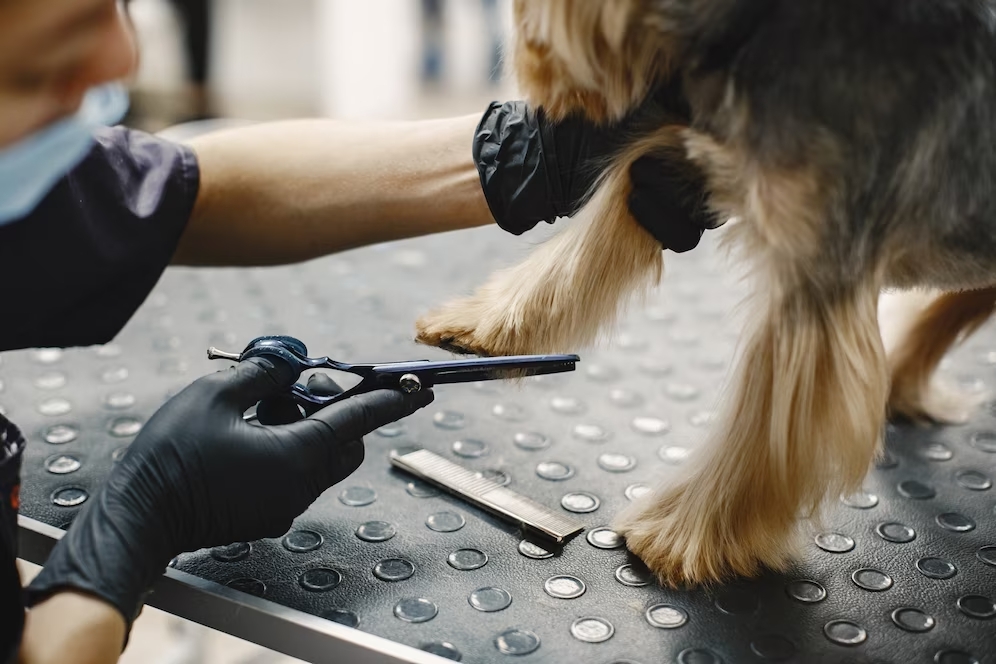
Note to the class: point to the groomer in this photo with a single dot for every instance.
(90, 216)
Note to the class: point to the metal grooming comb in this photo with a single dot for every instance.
(491, 496)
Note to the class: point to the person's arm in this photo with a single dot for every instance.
(290, 191)
(72, 628)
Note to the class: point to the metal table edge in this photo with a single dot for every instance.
(254, 619)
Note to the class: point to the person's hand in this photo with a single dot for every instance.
(283, 409)
(669, 200)
(199, 475)
(533, 169)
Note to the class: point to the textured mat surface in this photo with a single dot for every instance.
(904, 572)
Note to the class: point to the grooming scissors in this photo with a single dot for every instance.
(409, 377)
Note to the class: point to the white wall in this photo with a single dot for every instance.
(369, 57)
(265, 55)
(341, 58)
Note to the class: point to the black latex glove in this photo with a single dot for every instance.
(669, 200)
(283, 409)
(533, 169)
(199, 475)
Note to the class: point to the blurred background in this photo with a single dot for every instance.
(258, 60)
(265, 60)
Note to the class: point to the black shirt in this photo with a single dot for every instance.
(73, 272)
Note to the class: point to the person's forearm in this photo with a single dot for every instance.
(72, 628)
(290, 191)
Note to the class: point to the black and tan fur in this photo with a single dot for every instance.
(854, 143)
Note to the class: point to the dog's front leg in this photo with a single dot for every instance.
(802, 424)
(572, 287)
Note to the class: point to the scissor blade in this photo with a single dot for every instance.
(489, 368)
(467, 375)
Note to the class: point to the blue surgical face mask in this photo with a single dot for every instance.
(32, 166)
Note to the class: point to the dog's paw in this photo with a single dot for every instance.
(688, 544)
(462, 326)
(935, 403)
(437, 329)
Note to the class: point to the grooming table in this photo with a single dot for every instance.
(386, 569)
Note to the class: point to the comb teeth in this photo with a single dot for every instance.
(488, 495)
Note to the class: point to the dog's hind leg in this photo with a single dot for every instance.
(931, 328)
(803, 423)
(805, 410)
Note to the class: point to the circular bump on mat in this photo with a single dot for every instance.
(977, 606)
(564, 586)
(490, 599)
(592, 630)
(470, 448)
(665, 616)
(302, 541)
(62, 464)
(376, 531)
(915, 490)
(60, 434)
(443, 649)
(357, 496)
(450, 420)
(955, 522)
(862, 500)
(604, 538)
(845, 632)
(320, 579)
(415, 610)
(445, 522)
(912, 620)
(936, 568)
(580, 502)
(393, 569)
(466, 560)
(973, 480)
(531, 441)
(69, 496)
(533, 550)
(897, 533)
(834, 542)
(230, 553)
(806, 590)
(517, 642)
(555, 471)
(871, 579)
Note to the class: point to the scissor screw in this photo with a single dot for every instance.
(410, 383)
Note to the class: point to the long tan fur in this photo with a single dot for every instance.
(804, 413)
(934, 326)
(789, 435)
(570, 288)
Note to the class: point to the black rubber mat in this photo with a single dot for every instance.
(905, 572)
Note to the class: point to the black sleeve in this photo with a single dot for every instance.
(74, 271)
(11, 598)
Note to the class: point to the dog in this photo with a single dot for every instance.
(853, 145)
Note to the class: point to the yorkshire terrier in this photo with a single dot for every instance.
(854, 144)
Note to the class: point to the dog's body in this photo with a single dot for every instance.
(855, 142)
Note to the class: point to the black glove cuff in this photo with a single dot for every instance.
(508, 153)
(101, 556)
